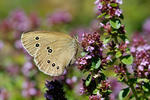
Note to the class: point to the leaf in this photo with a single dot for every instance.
(101, 15)
(128, 60)
(107, 16)
(95, 91)
(83, 53)
(113, 4)
(124, 93)
(98, 64)
(88, 80)
(115, 24)
(142, 80)
(106, 40)
(118, 54)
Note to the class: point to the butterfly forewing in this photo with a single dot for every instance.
(54, 52)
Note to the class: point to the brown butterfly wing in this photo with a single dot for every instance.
(55, 57)
(54, 52)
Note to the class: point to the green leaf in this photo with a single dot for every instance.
(124, 93)
(142, 80)
(106, 40)
(128, 60)
(145, 89)
(98, 64)
(95, 91)
(83, 53)
(118, 54)
(113, 4)
(115, 24)
(107, 16)
(101, 15)
(88, 80)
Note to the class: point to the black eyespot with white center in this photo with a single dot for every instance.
(37, 38)
(48, 61)
(50, 50)
(53, 64)
(37, 45)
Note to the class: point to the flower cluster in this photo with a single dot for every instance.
(141, 52)
(29, 89)
(109, 7)
(19, 22)
(54, 91)
(92, 49)
(59, 17)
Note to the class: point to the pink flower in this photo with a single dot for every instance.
(118, 12)
(90, 49)
(119, 1)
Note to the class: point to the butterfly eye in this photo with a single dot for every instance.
(37, 45)
(48, 61)
(53, 64)
(57, 67)
(37, 38)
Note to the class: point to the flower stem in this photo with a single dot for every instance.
(132, 88)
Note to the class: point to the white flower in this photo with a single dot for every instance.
(119, 1)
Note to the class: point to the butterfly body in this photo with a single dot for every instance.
(52, 51)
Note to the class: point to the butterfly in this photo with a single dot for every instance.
(52, 51)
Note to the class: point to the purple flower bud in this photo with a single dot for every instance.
(144, 63)
(83, 62)
(82, 91)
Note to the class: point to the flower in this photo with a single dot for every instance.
(29, 89)
(119, 1)
(141, 52)
(146, 25)
(59, 17)
(19, 21)
(54, 91)
(4, 95)
(95, 97)
(118, 12)
(1, 44)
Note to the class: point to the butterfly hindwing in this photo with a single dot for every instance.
(55, 57)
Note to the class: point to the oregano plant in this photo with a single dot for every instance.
(109, 48)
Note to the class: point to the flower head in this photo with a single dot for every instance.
(54, 91)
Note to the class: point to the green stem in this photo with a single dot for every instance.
(132, 88)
